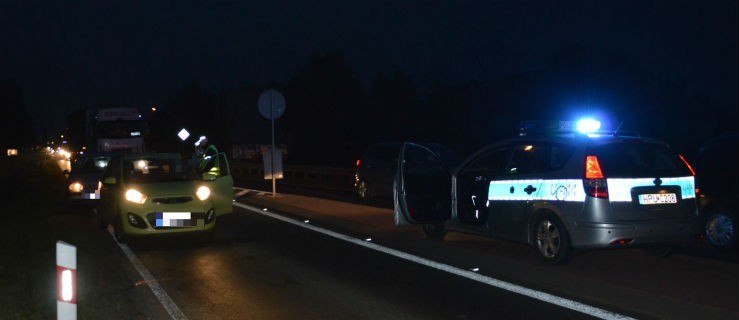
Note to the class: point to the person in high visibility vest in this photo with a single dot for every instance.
(206, 160)
(210, 163)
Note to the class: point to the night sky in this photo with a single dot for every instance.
(70, 54)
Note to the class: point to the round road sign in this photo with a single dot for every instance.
(271, 104)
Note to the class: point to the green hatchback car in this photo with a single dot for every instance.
(158, 193)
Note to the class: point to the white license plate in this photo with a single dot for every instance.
(173, 219)
(657, 198)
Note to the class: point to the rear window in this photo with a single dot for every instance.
(639, 159)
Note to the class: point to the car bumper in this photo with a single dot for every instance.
(86, 198)
(161, 220)
(591, 235)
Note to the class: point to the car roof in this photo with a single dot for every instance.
(575, 138)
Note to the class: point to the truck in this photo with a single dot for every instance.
(119, 129)
(107, 129)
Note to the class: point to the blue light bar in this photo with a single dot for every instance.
(588, 125)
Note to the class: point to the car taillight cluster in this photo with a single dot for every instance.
(595, 182)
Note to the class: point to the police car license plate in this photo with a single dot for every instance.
(174, 219)
(657, 198)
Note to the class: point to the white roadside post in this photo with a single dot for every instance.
(66, 281)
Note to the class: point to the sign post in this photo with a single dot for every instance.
(271, 105)
(66, 281)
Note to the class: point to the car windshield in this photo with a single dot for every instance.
(156, 170)
(90, 164)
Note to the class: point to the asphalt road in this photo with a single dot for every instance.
(262, 268)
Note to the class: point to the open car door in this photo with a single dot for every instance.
(422, 186)
(222, 186)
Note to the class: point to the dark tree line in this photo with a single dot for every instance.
(16, 125)
(331, 117)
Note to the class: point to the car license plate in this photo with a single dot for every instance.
(174, 219)
(657, 198)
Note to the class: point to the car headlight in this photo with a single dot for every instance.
(76, 187)
(135, 196)
(203, 193)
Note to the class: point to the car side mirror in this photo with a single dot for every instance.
(209, 177)
(110, 180)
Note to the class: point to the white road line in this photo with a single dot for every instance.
(158, 291)
(531, 293)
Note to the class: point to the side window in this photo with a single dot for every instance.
(538, 158)
(388, 153)
(488, 163)
(225, 169)
(527, 158)
(419, 160)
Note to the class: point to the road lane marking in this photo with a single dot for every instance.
(158, 291)
(531, 293)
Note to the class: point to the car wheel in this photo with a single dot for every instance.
(720, 230)
(118, 232)
(362, 190)
(434, 230)
(551, 240)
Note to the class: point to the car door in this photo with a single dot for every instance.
(473, 184)
(422, 186)
(511, 191)
(110, 192)
(222, 186)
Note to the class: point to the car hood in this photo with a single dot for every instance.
(176, 188)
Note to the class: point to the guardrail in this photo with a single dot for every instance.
(326, 178)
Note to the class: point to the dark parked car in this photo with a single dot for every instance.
(717, 179)
(83, 179)
(378, 165)
(376, 170)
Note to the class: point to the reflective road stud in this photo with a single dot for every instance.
(66, 278)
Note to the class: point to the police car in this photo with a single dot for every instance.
(576, 188)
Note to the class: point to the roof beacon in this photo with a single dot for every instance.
(588, 125)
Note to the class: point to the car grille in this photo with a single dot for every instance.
(172, 200)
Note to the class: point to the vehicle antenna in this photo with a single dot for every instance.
(615, 133)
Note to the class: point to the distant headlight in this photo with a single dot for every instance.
(203, 193)
(76, 187)
(135, 196)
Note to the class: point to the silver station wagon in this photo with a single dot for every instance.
(558, 191)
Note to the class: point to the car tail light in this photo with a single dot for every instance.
(592, 168)
(687, 164)
(595, 182)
